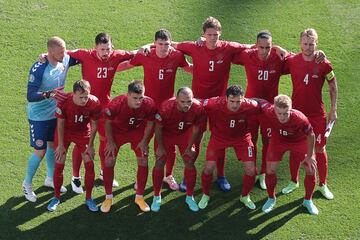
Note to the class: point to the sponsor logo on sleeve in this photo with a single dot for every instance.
(58, 111)
(107, 112)
(31, 78)
(158, 117)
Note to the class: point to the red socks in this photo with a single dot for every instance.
(108, 175)
(322, 166)
(76, 161)
(248, 184)
(141, 178)
(89, 178)
(271, 181)
(58, 178)
(190, 179)
(157, 178)
(206, 182)
(309, 183)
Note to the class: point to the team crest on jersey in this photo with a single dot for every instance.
(205, 102)
(39, 143)
(158, 117)
(58, 111)
(107, 112)
(31, 78)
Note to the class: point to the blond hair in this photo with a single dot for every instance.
(55, 42)
(309, 32)
(282, 101)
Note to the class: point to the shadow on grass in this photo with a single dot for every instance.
(225, 217)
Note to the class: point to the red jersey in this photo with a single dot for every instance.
(99, 73)
(227, 125)
(307, 79)
(175, 122)
(77, 118)
(211, 68)
(159, 73)
(262, 75)
(295, 130)
(124, 118)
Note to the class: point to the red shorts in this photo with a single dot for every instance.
(132, 137)
(259, 120)
(244, 149)
(81, 141)
(182, 141)
(319, 127)
(277, 149)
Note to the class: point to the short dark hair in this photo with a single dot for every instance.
(264, 34)
(81, 86)
(136, 86)
(102, 38)
(234, 90)
(163, 34)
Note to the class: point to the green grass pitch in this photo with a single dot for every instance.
(25, 27)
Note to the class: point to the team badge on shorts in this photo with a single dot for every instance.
(39, 143)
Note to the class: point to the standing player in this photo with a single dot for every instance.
(160, 66)
(44, 83)
(98, 67)
(128, 119)
(211, 70)
(177, 123)
(263, 70)
(228, 118)
(292, 132)
(308, 78)
(73, 125)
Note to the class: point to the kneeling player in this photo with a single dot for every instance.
(128, 119)
(228, 117)
(177, 123)
(292, 132)
(73, 118)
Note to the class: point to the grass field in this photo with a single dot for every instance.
(26, 26)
